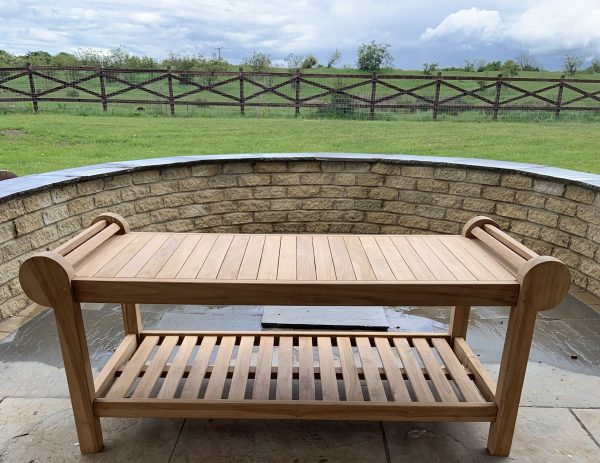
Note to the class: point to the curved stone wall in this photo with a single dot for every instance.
(553, 211)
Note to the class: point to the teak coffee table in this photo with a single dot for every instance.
(325, 375)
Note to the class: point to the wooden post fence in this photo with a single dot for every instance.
(171, 99)
(559, 97)
(101, 76)
(436, 100)
(373, 93)
(236, 89)
(297, 102)
(497, 98)
(242, 101)
(34, 100)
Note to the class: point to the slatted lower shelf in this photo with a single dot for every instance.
(293, 375)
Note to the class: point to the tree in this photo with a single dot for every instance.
(310, 61)
(258, 61)
(63, 59)
(572, 64)
(510, 67)
(469, 66)
(372, 56)
(595, 67)
(39, 58)
(294, 61)
(527, 62)
(430, 68)
(335, 57)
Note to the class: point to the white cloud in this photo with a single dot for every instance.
(546, 26)
(466, 25)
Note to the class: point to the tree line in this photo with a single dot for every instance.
(372, 57)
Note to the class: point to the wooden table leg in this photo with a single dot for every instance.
(132, 319)
(459, 321)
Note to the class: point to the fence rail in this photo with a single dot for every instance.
(372, 93)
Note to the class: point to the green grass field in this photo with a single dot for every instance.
(46, 142)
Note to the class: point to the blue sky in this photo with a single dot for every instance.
(443, 31)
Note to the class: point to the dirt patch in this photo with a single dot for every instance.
(13, 133)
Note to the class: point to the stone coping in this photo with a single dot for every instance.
(16, 187)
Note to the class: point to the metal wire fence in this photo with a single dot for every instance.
(85, 90)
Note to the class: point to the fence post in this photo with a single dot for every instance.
(171, 100)
(34, 100)
(297, 104)
(497, 99)
(242, 101)
(103, 89)
(373, 93)
(559, 97)
(436, 100)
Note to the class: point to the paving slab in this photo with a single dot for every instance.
(543, 435)
(43, 430)
(340, 318)
(220, 441)
(590, 419)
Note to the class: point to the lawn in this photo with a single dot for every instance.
(45, 142)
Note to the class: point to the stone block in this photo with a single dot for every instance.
(174, 173)
(498, 194)
(573, 226)
(28, 223)
(579, 194)
(238, 168)
(205, 170)
(516, 181)
(225, 181)
(548, 188)
(90, 187)
(145, 176)
(54, 214)
(549, 219)
(285, 179)
(267, 167)
(301, 166)
(482, 177)
(448, 173)
(417, 171)
(512, 211)
(35, 202)
(561, 206)
(438, 186)
(63, 193)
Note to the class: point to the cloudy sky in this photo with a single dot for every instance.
(443, 31)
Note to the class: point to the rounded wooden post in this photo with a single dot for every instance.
(46, 279)
(545, 282)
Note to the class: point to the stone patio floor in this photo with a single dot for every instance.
(559, 419)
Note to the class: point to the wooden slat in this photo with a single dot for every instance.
(148, 381)
(323, 261)
(296, 409)
(192, 385)
(327, 369)
(284, 368)
(413, 261)
(369, 365)
(269, 261)
(305, 258)
(231, 264)
(102, 255)
(156, 263)
(514, 260)
(392, 371)
(378, 261)
(218, 375)
(287, 258)
(125, 255)
(394, 259)
(178, 258)
(177, 368)
(123, 383)
(450, 260)
(251, 260)
(264, 362)
(360, 261)
(341, 259)
(351, 381)
(196, 260)
(462, 381)
(123, 353)
(413, 371)
(306, 372)
(435, 265)
(237, 390)
(484, 381)
(474, 266)
(214, 260)
(144, 255)
(479, 252)
(436, 375)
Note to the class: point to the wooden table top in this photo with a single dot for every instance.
(242, 261)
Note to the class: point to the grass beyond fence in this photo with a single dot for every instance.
(46, 142)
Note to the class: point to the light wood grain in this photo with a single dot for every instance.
(306, 374)
(465, 385)
(177, 369)
(269, 262)
(218, 375)
(323, 261)
(124, 382)
(191, 388)
(436, 375)
(196, 260)
(305, 255)
(151, 375)
(369, 365)
(233, 260)
(123, 353)
(174, 264)
(284, 369)
(341, 259)
(413, 371)
(329, 386)
(287, 258)
(239, 380)
(216, 256)
(352, 385)
(262, 379)
(392, 371)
